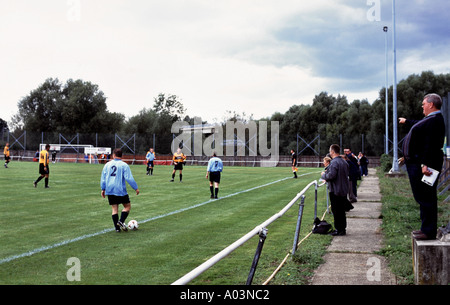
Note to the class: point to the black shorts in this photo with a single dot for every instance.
(178, 166)
(113, 199)
(214, 177)
(7, 158)
(42, 171)
(149, 163)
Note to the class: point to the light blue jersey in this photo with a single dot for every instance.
(215, 165)
(150, 156)
(114, 175)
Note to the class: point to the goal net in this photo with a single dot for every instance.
(86, 153)
(98, 154)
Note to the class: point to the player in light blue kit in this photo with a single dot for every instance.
(215, 167)
(150, 158)
(113, 185)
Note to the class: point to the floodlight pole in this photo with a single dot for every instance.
(394, 95)
(386, 98)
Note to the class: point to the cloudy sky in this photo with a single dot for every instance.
(252, 56)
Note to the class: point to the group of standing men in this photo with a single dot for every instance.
(422, 153)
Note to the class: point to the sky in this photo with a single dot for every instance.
(255, 57)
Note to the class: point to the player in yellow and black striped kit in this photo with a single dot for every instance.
(44, 170)
(179, 159)
(7, 156)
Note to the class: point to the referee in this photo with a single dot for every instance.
(294, 163)
(215, 167)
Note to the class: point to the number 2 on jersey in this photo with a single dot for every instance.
(114, 169)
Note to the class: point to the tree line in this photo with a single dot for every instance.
(80, 107)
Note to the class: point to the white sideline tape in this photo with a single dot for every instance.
(65, 242)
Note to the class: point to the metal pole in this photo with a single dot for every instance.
(386, 98)
(328, 201)
(315, 200)
(262, 238)
(216, 258)
(299, 224)
(394, 96)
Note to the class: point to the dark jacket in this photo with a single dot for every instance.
(424, 142)
(353, 169)
(337, 176)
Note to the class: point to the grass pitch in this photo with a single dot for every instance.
(180, 227)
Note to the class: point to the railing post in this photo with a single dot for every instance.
(328, 200)
(299, 224)
(315, 200)
(262, 238)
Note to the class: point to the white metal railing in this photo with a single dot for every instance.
(258, 230)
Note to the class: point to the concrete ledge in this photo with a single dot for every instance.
(431, 260)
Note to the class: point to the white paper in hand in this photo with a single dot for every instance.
(432, 178)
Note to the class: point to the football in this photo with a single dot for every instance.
(133, 225)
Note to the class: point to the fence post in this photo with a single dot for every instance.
(299, 224)
(315, 200)
(328, 200)
(262, 238)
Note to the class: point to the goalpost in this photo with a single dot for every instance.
(93, 154)
(76, 152)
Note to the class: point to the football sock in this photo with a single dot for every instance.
(123, 216)
(216, 191)
(173, 175)
(211, 189)
(38, 179)
(181, 177)
(151, 171)
(115, 218)
(46, 181)
(295, 174)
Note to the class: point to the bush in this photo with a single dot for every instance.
(385, 162)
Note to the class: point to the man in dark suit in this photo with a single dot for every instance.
(337, 177)
(422, 150)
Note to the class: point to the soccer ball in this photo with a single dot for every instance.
(133, 225)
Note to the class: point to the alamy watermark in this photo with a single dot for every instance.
(229, 139)
(373, 274)
(74, 272)
(374, 12)
(73, 10)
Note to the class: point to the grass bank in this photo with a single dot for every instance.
(400, 214)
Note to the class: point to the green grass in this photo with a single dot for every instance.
(162, 250)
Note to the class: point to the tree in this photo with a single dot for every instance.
(157, 120)
(169, 106)
(3, 129)
(3, 124)
(76, 107)
(39, 110)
